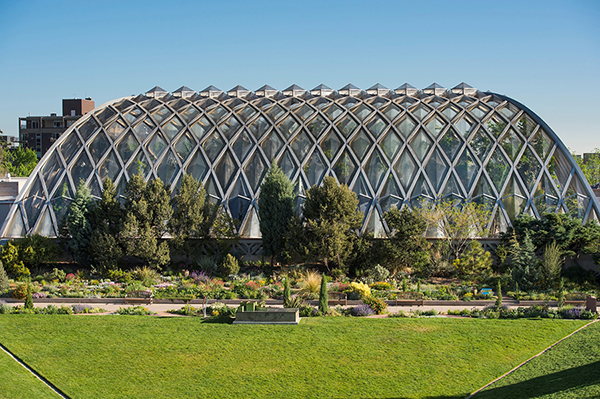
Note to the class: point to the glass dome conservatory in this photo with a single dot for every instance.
(391, 147)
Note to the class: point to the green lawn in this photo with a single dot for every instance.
(17, 382)
(129, 356)
(569, 370)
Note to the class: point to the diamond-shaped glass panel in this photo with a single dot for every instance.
(242, 146)
(271, 145)
(344, 168)
(172, 128)
(362, 111)
(33, 207)
(391, 111)
(213, 146)
(139, 165)
(482, 193)
(132, 114)
(391, 195)
(436, 169)
(435, 125)
(88, 128)
(346, 125)
(275, 112)
(197, 166)
(168, 168)
(331, 145)
(239, 200)
(333, 111)
(200, 128)
(545, 197)
(421, 194)
(406, 126)
(511, 143)
(259, 127)
(406, 169)
(225, 170)
(467, 168)
(420, 144)
(450, 111)
(144, 128)
(246, 113)
(529, 168)
(495, 125)
(317, 126)
(301, 145)
(377, 125)
(304, 111)
(51, 171)
(110, 167)
(376, 169)
(315, 168)
(255, 170)
(514, 199)
(464, 125)
(542, 144)
(349, 102)
(451, 143)
(480, 110)
(420, 111)
(126, 147)
(184, 146)
(509, 110)
(216, 113)
(82, 168)
(481, 144)
(526, 125)
(361, 144)
(230, 127)
(189, 114)
(287, 164)
(105, 114)
(391, 144)
(498, 168)
(559, 168)
(116, 128)
(161, 114)
(452, 190)
(156, 146)
(99, 146)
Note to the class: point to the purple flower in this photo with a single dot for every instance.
(38, 295)
(362, 310)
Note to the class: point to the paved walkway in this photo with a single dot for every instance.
(162, 306)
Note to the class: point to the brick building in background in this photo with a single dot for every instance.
(40, 132)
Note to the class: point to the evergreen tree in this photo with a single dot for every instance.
(107, 215)
(193, 215)
(551, 265)
(522, 261)
(287, 293)
(276, 210)
(3, 279)
(323, 295)
(147, 212)
(331, 219)
(78, 224)
(405, 247)
(29, 299)
(499, 295)
(474, 260)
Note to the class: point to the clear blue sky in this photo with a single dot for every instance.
(545, 54)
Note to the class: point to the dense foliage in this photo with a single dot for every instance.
(19, 161)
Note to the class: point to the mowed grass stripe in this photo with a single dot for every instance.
(571, 369)
(128, 356)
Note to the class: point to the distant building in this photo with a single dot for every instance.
(40, 132)
(11, 140)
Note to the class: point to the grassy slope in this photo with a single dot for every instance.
(569, 370)
(129, 356)
(18, 383)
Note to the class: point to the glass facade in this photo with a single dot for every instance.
(397, 147)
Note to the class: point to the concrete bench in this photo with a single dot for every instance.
(337, 298)
(139, 297)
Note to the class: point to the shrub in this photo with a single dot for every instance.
(134, 311)
(361, 289)
(323, 296)
(28, 298)
(379, 273)
(294, 302)
(376, 304)
(380, 286)
(207, 264)
(287, 294)
(310, 282)
(5, 309)
(20, 292)
(146, 275)
(3, 279)
(308, 311)
(230, 265)
(362, 310)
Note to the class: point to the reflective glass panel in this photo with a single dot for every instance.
(511, 143)
(450, 111)
(110, 167)
(435, 126)
(331, 145)
(376, 169)
(200, 128)
(213, 146)
(105, 114)
(98, 146)
(391, 111)
(529, 168)
(376, 125)
(420, 111)
(255, 170)
(509, 110)
(436, 169)
(275, 112)
(139, 166)
(271, 145)
(144, 128)
(479, 111)
(189, 114)
(287, 164)
(346, 125)
(315, 168)
(197, 166)
(69, 147)
(225, 170)
(88, 128)
(242, 146)
(420, 144)
(391, 144)
(51, 172)
(317, 126)
(542, 144)
(498, 168)
(156, 146)
(246, 113)
(132, 114)
(333, 111)
(161, 114)
(81, 169)
(184, 146)
(216, 113)
(126, 147)
(304, 111)
(344, 168)
(301, 145)
(230, 127)
(467, 168)
(450, 143)
(361, 144)
(168, 168)
(362, 111)
(481, 144)
(526, 125)
(464, 125)
(406, 169)
(260, 126)
(172, 128)
(406, 126)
